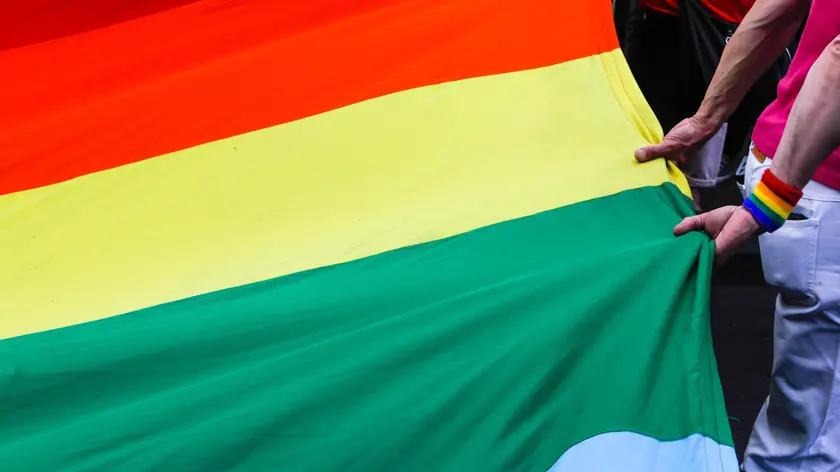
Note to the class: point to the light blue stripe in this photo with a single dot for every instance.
(632, 452)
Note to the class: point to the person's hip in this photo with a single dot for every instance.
(802, 258)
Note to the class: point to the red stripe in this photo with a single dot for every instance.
(32, 21)
(219, 68)
(671, 7)
(784, 191)
(732, 11)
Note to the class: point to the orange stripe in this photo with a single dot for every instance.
(768, 196)
(217, 68)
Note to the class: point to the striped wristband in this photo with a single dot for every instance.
(772, 201)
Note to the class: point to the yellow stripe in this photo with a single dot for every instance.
(629, 97)
(387, 173)
(772, 201)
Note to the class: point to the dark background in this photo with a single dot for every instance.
(742, 309)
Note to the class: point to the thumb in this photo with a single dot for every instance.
(649, 153)
(692, 223)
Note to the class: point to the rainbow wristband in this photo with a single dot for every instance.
(772, 201)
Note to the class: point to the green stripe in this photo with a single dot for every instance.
(777, 218)
(493, 350)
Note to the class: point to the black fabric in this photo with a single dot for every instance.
(703, 37)
(657, 59)
(623, 10)
(673, 59)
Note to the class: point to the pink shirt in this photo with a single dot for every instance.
(822, 27)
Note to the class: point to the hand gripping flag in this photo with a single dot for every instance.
(335, 235)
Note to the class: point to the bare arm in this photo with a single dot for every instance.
(812, 131)
(769, 26)
(761, 38)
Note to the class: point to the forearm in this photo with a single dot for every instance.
(761, 38)
(812, 131)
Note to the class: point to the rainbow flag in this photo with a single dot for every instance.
(344, 235)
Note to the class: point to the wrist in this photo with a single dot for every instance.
(771, 202)
(710, 116)
(753, 225)
(705, 123)
(787, 175)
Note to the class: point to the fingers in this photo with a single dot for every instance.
(725, 247)
(649, 153)
(723, 251)
(666, 149)
(692, 223)
(739, 227)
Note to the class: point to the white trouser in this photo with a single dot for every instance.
(798, 428)
(706, 168)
